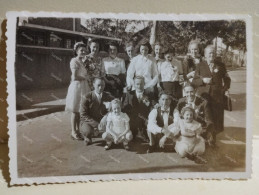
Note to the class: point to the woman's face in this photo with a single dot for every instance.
(94, 47)
(129, 51)
(194, 49)
(143, 50)
(116, 109)
(188, 116)
(168, 57)
(113, 51)
(81, 52)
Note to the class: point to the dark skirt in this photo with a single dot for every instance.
(172, 88)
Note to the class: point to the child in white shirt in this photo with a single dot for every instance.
(117, 128)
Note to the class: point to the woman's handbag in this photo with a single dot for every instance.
(227, 101)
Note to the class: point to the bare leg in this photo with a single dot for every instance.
(77, 118)
(75, 125)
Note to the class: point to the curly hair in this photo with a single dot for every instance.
(115, 101)
(78, 45)
(187, 108)
(144, 42)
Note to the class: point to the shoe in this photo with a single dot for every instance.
(108, 146)
(76, 136)
(126, 146)
(199, 160)
(87, 141)
(150, 149)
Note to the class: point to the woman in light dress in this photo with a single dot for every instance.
(78, 88)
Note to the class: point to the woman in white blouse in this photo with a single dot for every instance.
(143, 65)
(115, 71)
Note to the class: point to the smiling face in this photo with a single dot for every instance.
(113, 51)
(143, 50)
(194, 50)
(129, 51)
(165, 101)
(81, 52)
(190, 93)
(94, 47)
(188, 116)
(116, 109)
(168, 57)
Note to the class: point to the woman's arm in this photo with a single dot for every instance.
(154, 75)
(75, 77)
(130, 73)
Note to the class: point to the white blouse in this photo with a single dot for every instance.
(168, 72)
(143, 66)
(114, 66)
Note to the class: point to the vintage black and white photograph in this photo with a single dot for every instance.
(110, 97)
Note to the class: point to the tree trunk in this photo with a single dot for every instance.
(153, 34)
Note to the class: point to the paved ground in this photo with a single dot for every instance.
(45, 147)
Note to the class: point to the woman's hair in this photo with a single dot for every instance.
(158, 43)
(169, 51)
(187, 108)
(78, 45)
(129, 44)
(144, 42)
(92, 40)
(115, 101)
(114, 43)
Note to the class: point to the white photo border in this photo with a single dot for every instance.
(11, 99)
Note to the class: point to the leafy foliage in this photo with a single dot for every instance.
(173, 34)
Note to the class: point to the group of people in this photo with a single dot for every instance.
(153, 98)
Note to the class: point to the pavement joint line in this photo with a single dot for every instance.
(113, 158)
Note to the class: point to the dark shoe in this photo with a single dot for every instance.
(150, 149)
(76, 136)
(199, 160)
(107, 146)
(87, 141)
(126, 146)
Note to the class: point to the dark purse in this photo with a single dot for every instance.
(227, 102)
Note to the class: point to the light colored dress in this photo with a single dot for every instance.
(118, 123)
(118, 126)
(190, 141)
(143, 66)
(76, 89)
